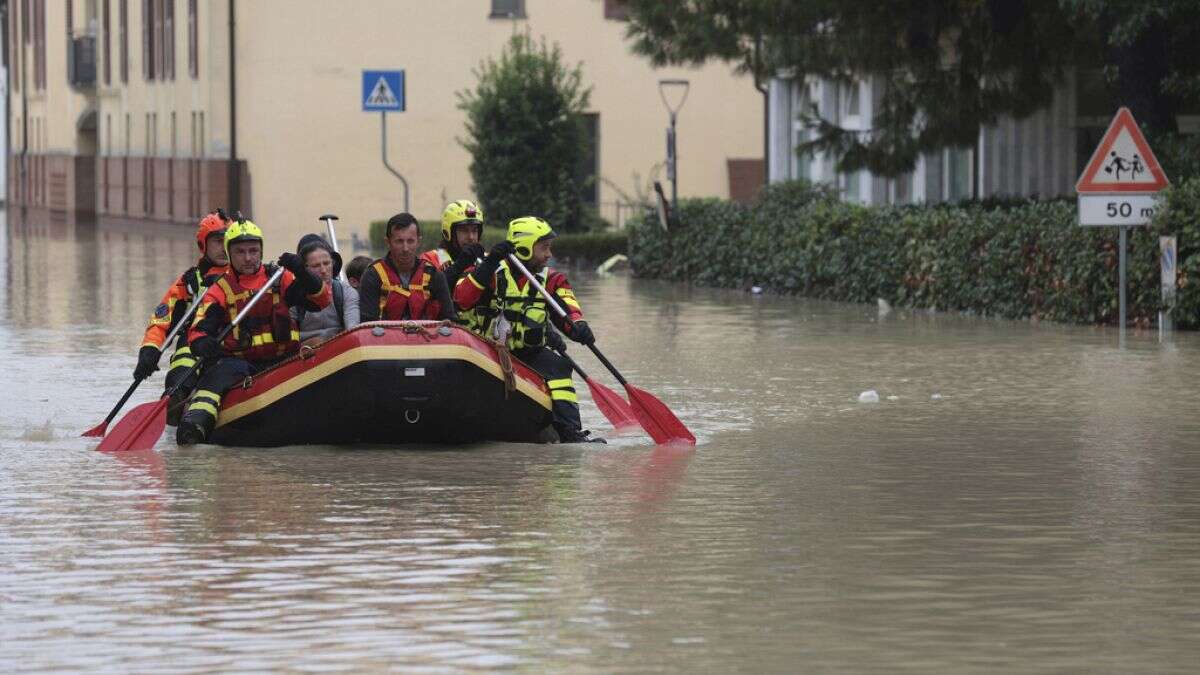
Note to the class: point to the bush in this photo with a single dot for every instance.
(526, 135)
(568, 248)
(1012, 259)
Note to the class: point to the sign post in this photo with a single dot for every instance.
(383, 91)
(1119, 185)
(1168, 250)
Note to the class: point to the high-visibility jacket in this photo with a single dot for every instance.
(268, 332)
(175, 303)
(438, 257)
(414, 301)
(521, 304)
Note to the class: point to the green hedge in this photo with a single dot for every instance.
(1007, 258)
(583, 247)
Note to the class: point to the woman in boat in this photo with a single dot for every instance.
(342, 314)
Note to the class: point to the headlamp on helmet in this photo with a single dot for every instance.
(459, 212)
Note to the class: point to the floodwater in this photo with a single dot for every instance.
(1022, 498)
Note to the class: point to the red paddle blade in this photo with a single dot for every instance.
(657, 419)
(96, 431)
(618, 412)
(140, 429)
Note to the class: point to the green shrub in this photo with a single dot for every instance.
(526, 134)
(568, 248)
(1005, 258)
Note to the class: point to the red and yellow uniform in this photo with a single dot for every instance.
(383, 294)
(268, 332)
(520, 303)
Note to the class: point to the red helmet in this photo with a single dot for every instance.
(212, 225)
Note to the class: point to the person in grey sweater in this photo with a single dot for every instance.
(341, 314)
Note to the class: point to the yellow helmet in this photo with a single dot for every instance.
(242, 230)
(458, 212)
(526, 231)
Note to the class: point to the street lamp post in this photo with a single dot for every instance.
(679, 88)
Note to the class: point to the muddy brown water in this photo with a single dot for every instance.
(1023, 498)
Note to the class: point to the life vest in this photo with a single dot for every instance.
(438, 257)
(268, 331)
(396, 302)
(525, 309)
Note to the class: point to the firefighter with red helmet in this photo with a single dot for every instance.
(210, 238)
(266, 335)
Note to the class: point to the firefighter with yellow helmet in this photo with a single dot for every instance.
(210, 238)
(267, 335)
(524, 320)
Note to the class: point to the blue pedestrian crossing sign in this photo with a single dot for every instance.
(383, 90)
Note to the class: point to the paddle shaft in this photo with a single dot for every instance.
(333, 241)
(133, 387)
(563, 313)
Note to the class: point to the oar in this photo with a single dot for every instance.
(141, 427)
(98, 430)
(329, 218)
(613, 406)
(654, 415)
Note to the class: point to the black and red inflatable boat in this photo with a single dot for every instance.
(389, 382)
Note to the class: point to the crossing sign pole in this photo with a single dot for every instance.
(383, 91)
(1119, 185)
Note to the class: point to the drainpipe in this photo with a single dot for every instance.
(235, 183)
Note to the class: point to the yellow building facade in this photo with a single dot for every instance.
(127, 108)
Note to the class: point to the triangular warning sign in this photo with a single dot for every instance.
(382, 94)
(1123, 162)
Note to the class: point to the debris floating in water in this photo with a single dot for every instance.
(893, 397)
(756, 290)
(935, 397)
(884, 307)
(869, 396)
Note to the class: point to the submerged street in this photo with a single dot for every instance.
(1022, 497)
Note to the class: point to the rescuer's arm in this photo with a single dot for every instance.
(577, 329)
(302, 287)
(440, 292)
(211, 318)
(369, 286)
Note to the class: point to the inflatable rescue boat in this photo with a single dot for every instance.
(389, 382)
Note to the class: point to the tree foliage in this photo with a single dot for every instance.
(526, 135)
(943, 68)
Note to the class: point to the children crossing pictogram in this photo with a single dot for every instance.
(1123, 162)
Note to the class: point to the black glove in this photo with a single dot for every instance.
(500, 252)
(470, 254)
(206, 347)
(554, 341)
(292, 263)
(147, 362)
(582, 333)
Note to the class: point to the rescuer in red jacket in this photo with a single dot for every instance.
(267, 335)
(210, 237)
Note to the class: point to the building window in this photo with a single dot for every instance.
(616, 10)
(123, 21)
(508, 9)
(106, 28)
(193, 41)
(148, 51)
(958, 174)
(168, 40)
(39, 44)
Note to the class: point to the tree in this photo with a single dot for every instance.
(945, 67)
(526, 135)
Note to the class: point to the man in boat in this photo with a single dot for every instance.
(210, 238)
(525, 322)
(267, 335)
(401, 285)
(462, 229)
